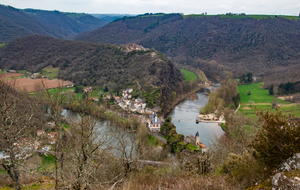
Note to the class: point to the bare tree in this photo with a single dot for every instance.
(55, 102)
(126, 147)
(87, 142)
(18, 124)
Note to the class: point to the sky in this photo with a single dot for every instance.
(273, 7)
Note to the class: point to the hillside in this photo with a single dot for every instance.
(283, 75)
(70, 23)
(237, 43)
(16, 23)
(93, 64)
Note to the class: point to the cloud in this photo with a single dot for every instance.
(244, 8)
(289, 7)
(224, 6)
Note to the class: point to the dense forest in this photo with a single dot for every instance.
(102, 65)
(282, 75)
(15, 23)
(211, 43)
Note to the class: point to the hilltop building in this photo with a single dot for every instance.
(154, 123)
(133, 46)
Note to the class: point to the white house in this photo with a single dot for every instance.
(154, 123)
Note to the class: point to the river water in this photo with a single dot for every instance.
(113, 135)
(184, 118)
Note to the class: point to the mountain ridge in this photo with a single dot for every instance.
(239, 44)
(16, 23)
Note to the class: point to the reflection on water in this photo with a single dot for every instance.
(117, 139)
(184, 118)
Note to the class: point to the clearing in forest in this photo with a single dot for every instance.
(188, 75)
(52, 73)
(258, 94)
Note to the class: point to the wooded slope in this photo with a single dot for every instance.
(97, 64)
(212, 43)
(16, 23)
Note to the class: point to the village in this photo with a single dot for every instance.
(44, 141)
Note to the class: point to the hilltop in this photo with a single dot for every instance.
(151, 73)
(16, 23)
(241, 44)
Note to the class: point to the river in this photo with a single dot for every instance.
(114, 135)
(184, 118)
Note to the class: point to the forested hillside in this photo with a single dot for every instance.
(103, 65)
(70, 23)
(240, 44)
(16, 23)
(110, 17)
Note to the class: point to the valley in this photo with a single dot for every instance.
(150, 101)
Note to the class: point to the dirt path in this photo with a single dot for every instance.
(285, 97)
(237, 109)
(257, 104)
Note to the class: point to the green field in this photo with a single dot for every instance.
(293, 109)
(97, 91)
(52, 73)
(1, 45)
(258, 94)
(264, 100)
(188, 75)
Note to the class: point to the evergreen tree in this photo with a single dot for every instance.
(271, 89)
(78, 89)
(105, 89)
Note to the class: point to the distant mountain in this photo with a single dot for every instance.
(212, 43)
(16, 23)
(150, 73)
(110, 17)
(70, 23)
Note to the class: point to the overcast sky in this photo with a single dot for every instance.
(283, 7)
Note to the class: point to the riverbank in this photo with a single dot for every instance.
(184, 115)
(188, 95)
(107, 114)
(210, 118)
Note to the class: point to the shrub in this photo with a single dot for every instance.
(243, 168)
(277, 140)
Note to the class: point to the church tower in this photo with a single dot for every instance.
(197, 138)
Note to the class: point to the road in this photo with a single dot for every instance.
(157, 135)
(99, 157)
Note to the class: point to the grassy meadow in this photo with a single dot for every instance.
(188, 75)
(258, 94)
(262, 100)
(1, 45)
(50, 72)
